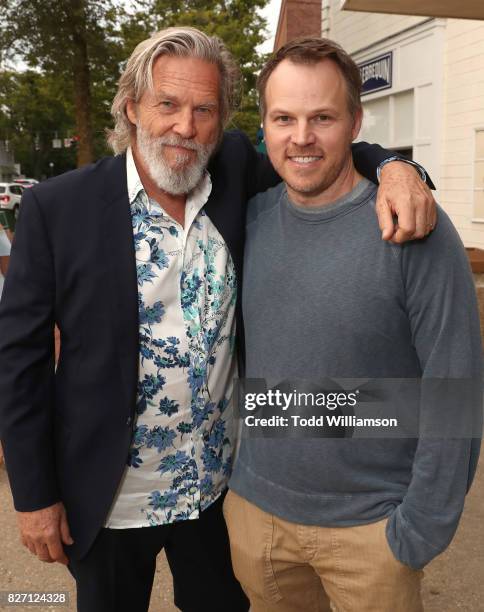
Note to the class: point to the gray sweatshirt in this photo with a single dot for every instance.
(324, 296)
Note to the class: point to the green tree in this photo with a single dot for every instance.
(33, 108)
(75, 50)
(74, 41)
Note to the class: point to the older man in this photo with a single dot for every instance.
(127, 447)
(353, 520)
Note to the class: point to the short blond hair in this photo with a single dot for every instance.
(138, 75)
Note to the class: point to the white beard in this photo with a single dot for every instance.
(186, 175)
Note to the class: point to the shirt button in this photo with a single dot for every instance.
(129, 421)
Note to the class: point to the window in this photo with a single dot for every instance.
(389, 120)
(479, 175)
(403, 117)
(376, 121)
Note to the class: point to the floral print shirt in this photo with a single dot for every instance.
(181, 454)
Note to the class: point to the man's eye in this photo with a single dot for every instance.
(323, 117)
(283, 119)
(166, 104)
(203, 110)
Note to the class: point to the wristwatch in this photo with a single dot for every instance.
(418, 167)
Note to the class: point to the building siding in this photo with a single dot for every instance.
(463, 101)
(356, 31)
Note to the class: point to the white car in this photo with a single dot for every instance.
(10, 196)
(26, 182)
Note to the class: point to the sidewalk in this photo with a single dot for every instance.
(453, 582)
(21, 571)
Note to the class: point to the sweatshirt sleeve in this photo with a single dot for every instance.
(442, 308)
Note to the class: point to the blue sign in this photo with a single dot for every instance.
(376, 74)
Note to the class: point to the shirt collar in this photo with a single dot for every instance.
(195, 200)
(134, 182)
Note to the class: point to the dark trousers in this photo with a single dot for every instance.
(117, 573)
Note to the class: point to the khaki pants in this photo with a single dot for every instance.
(286, 567)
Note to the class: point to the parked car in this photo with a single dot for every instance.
(26, 182)
(10, 196)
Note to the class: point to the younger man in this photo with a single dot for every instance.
(351, 520)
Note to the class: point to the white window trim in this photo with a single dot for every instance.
(476, 218)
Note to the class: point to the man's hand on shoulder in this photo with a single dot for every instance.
(403, 194)
(44, 531)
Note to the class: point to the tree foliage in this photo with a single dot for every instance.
(33, 108)
(76, 44)
(75, 50)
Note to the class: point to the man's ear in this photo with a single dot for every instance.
(131, 111)
(357, 121)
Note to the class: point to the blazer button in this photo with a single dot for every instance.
(129, 421)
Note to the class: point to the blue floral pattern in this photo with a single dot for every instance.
(181, 454)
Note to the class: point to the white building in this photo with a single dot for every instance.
(423, 90)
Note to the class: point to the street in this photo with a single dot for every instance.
(453, 582)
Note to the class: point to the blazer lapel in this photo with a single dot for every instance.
(120, 261)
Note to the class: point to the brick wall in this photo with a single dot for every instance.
(298, 18)
(479, 282)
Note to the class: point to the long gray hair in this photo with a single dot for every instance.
(138, 75)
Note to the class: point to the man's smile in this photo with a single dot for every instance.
(305, 159)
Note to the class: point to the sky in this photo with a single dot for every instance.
(271, 13)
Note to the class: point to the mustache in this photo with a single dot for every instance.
(173, 140)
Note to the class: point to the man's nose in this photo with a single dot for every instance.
(185, 125)
(303, 134)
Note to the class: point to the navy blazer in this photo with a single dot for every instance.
(66, 434)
